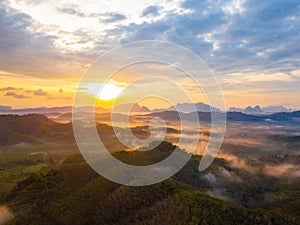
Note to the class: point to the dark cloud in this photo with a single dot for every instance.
(272, 10)
(108, 17)
(113, 17)
(257, 34)
(196, 4)
(40, 92)
(28, 92)
(197, 24)
(71, 11)
(146, 31)
(25, 51)
(177, 28)
(15, 94)
(21, 93)
(13, 26)
(5, 108)
(151, 10)
(10, 89)
(187, 30)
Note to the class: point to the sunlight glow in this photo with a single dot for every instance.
(104, 92)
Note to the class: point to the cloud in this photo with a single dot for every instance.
(195, 4)
(151, 10)
(146, 31)
(238, 163)
(32, 2)
(26, 50)
(230, 36)
(235, 36)
(281, 170)
(239, 78)
(264, 33)
(15, 95)
(10, 89)
(72, 10)
(285, 169)
(273, 10)
(21, 93)
(113, 17)
(15, 23)
(40, 92)
(108, 17)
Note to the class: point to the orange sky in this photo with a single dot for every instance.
(36, 92)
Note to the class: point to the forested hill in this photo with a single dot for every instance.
(74, 194)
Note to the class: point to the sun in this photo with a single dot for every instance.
(105, 92)
(109, 92)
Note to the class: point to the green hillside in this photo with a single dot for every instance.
(74, 194)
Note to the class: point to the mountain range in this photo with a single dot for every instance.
(258, 110)
(190, 107)
(136, 108)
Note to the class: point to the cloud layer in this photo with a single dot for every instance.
(233, 37)
(229, 35)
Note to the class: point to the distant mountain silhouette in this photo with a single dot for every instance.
(258, 110)
(135, 108)
(254, 110)
(236, 109)
(190, 107)
(40, 110)
(275, 109)
(5, 108)
(53, 112)
(49, 110)
(231, 116)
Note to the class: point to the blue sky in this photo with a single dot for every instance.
(252, 46)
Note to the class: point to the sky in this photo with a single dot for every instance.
(252, 46)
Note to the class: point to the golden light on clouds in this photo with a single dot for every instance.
(26, 91)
